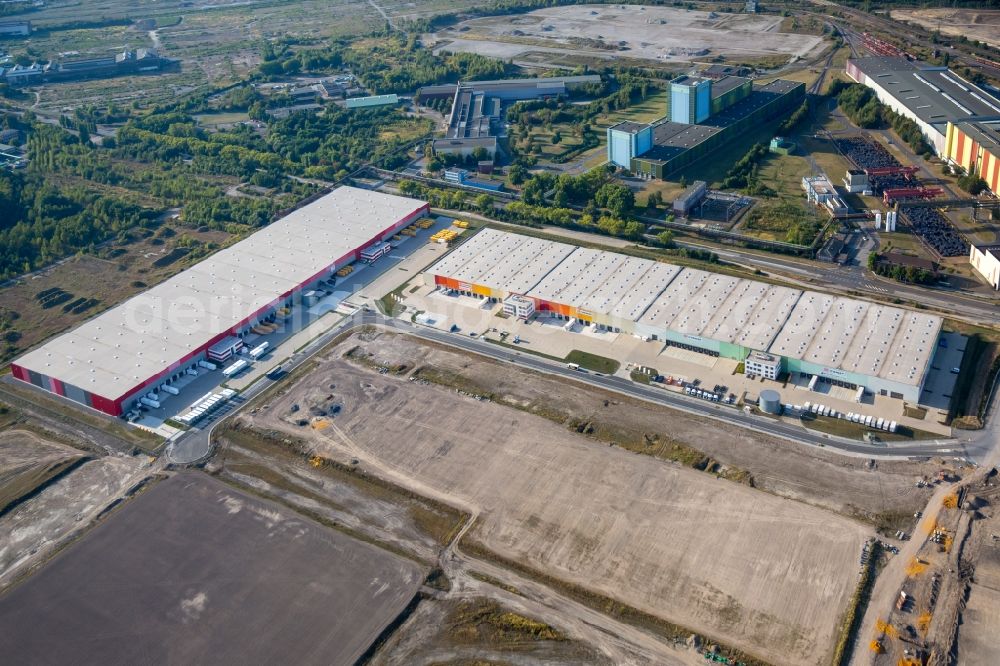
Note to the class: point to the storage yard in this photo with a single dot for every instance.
(126, 355)
(851, 343)
(935, 230)
(236, 579)
(686, 578)
(641, 32)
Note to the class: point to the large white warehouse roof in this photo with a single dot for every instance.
(848, 334)
(118, 350)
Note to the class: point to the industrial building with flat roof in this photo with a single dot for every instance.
(930, 95)
(476, 105)
(660, 148)
(885, 349)
(110, 361)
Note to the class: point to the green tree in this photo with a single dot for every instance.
(484, 203)
(516, 174)
(665, 238)
(618, 199)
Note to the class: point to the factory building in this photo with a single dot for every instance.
(371, 101)
(125, 62)
(109, 362)
(693, 99)
(886, 350)
(476, 106)
(930, 95)
(736, 105)
(689, 99)
(975, 147)
(628, 140)
(986, 260)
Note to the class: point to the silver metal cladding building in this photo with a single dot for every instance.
(887, 350)
(930, 95)
(110, 361)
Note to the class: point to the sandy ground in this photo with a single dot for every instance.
(843, 484)
(376, 513)
(34, 528)
(27, 461)
(652, 33)
(192, 571)
(980, 619)
(979, 24)
(759, 572)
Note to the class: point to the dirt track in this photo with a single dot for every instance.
(765, 574)
(27, 461)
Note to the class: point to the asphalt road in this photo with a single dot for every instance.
(195, 445)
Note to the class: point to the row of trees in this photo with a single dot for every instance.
(744, 174)
(861, 105)
(878, 264)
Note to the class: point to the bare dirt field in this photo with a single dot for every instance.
(362, 507)
(640, 32)
(847, 485)
(980, 617)
(764, 574)
(27, 462)
(193, 571)
(979, 24)
(33, 529)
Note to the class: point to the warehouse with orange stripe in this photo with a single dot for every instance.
(975, 146)
(844, 341)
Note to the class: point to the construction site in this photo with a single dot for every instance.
(937, 601)
(422, 396)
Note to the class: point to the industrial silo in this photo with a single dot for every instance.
(770, 402)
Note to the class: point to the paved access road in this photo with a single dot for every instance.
(195, 445)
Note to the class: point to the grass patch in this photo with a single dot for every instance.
(640, 376)
(146, 441)
(914, 412)
(593, 362)
(857, 431)
(484, 622)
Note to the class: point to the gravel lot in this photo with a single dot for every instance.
(652, 33)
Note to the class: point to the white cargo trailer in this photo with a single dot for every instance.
(235, 368)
